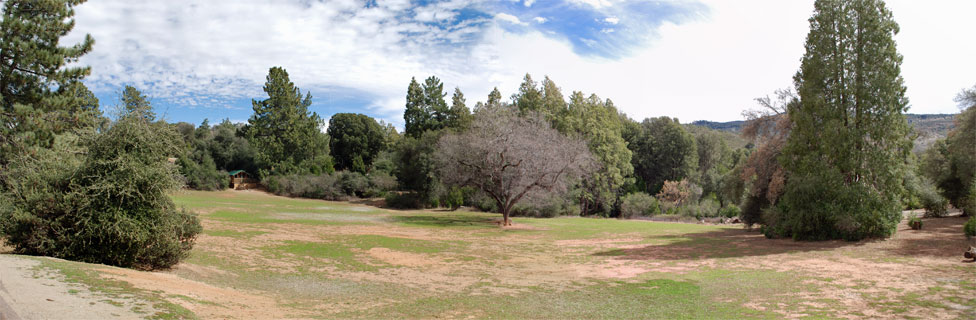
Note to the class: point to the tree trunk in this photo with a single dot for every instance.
(505, 221)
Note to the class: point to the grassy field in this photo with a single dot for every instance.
(264, 256)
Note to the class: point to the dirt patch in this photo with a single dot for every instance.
(401, 258)
(206, 301)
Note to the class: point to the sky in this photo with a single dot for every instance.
(694, 60)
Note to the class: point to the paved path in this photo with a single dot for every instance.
(27, 294)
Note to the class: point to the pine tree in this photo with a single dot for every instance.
(40, 96)
(494, 98)
(849, 142)
(426, 109)
(459, 116)
(414, 117)
(286, 136)
(528, 98)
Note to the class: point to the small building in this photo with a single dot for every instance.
(240, 180)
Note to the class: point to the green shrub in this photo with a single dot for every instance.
(822, 207)
(639, 204)
(915, 222)
(108, 206)
(324, 186)
(549, 207)
(453, 198)
(380, 183)
(353, 183)
(970, 228)
(934, 203)
(729, 211)
(203, 175)
(707, 208)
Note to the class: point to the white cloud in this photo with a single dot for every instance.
(596, 4)
(712, 68)
(528, 3)
(612, 20)
(509, 18)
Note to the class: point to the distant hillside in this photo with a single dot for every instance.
(938, 124)
(930, 127)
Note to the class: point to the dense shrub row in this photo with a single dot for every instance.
(341, 185)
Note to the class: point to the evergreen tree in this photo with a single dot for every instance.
(849, 142)
(528, 98)
(355, 140)
(133, 100)
(494, 98)
(414, 116)
(597, 123)
(458, 116)
(434, 103)
(286, 136)
(426, 109)
(663, 151)
(40, 96)
(553, 103)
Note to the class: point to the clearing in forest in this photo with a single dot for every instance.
(263, 256)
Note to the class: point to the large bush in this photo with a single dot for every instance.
(970, 228)
(337, 186)
(639, 205)
(109, 206)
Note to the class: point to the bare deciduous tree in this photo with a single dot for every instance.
(511, 158)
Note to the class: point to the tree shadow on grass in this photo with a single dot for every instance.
(446, 220)
(939, 237)
(723, 243)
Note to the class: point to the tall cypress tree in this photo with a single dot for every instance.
(40, 97)
(849, 142)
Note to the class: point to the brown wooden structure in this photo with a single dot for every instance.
(240, 180)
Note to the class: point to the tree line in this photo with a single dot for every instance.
(830, 158)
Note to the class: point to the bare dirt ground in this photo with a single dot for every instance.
(29, 293)
(869, 279)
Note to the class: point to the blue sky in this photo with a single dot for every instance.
(694, 60)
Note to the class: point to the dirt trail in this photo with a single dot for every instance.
(33, 294)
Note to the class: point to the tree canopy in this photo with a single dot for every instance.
(849, 141)
(511, 158)
(355, 140)
(40, 95)
(286, 136)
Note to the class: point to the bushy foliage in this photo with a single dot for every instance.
(109, 206)
(285, 135)
(729, 211)
(847, 149)
(414, 166)
(662, 151)
(211, 152)
(969, 229)
(337, 186)
(934, 203)
(675, 194)
(639, 204)
(452, 198)
(823, 207)
(707, 208)
(355, 140)
(553, 205)
(202, 176)
(915, 222)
